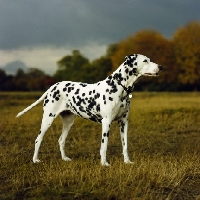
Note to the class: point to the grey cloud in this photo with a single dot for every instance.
(77, 22)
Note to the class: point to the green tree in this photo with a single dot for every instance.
(69, 67)
(96, 71)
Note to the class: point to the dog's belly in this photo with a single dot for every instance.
(86, 112)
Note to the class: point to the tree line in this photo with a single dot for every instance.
(33, 80)
(179, 56)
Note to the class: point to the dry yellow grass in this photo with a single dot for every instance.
(164, 143)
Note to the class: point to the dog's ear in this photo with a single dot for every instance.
(135, 70)
(129, 60)
(132, 63)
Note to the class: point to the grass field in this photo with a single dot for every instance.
(164, 143)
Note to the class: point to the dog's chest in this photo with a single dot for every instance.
(121, 109)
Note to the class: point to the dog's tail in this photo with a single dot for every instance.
(32, 105)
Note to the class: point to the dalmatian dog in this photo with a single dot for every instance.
(102, 102)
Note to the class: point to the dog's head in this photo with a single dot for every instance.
(141, 65)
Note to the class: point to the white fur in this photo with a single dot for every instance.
(104, 102)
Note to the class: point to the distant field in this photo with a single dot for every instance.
(164, 143)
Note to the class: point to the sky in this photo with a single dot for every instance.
(38, 33)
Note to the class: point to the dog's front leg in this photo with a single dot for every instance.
(123, 124)
(104, 142)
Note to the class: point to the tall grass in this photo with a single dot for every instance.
(164, 143)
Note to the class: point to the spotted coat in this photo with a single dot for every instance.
(102, 102)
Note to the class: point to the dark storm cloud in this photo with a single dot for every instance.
(59, 23)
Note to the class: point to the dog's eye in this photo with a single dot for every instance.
(145, 60)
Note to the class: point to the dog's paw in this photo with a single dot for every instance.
(36, 160)
(66, 159)
(105, 164)
(128, 162)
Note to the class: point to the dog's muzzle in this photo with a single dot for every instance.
(155, 74)
(160, 68)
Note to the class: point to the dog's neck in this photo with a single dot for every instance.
(125, 78)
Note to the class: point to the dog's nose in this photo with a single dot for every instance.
(160, 67)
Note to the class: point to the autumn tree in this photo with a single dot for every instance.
(111, 49)
(187, 53)
(153, 45)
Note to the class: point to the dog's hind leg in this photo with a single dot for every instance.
(68, 120)
(46, 123)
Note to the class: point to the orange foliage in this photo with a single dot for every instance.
(187, 52)
(179, 56)
(149, 43)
